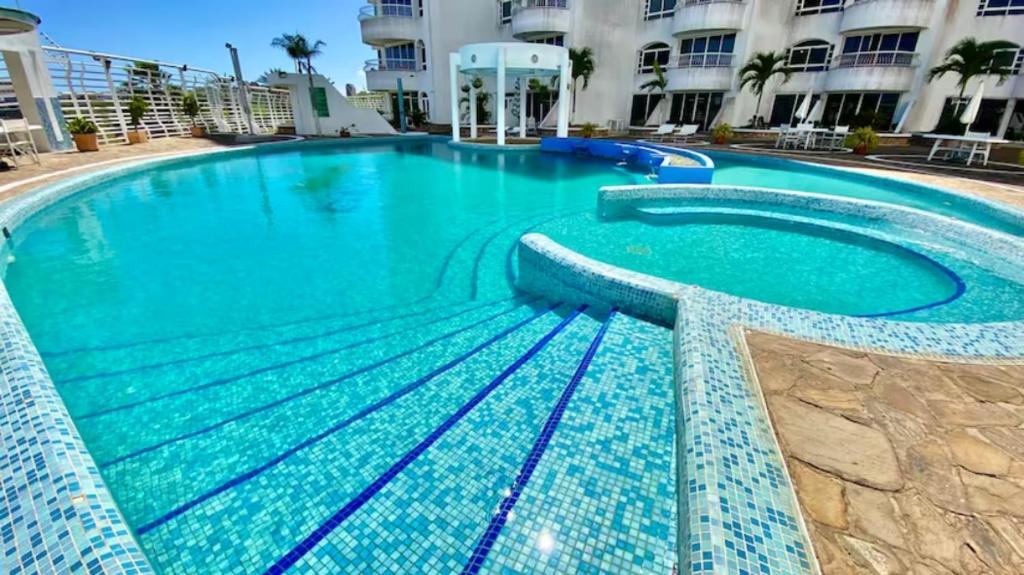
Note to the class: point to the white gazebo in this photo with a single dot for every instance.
(518, 60)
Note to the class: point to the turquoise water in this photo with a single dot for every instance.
(313, 359)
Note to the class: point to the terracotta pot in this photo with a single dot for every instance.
(198, 131)
(861, 149)
(86, 142)
(137, 137)
(719, 140)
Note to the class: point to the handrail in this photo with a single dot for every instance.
(105, 56)
(563, 4)
(887, 59)
(390, 64)
(386, 9)
(699, 2)
(704, 60)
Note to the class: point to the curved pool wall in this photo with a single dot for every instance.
(657, 159)
(64, 518)
(731, 513)
(987, 213)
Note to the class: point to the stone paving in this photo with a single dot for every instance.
(900, 465)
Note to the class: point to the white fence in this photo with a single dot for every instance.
(99, 87)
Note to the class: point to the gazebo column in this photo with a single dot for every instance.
(472, 111)
(454, 60)
(524, 82)
(501, 97)
(565, 73)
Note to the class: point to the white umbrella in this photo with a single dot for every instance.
(971, 113)
(805, 107)
(818, 111)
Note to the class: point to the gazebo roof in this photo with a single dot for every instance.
(521, 59)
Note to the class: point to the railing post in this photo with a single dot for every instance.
(115, 99)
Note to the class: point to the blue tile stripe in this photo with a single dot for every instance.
(289, 559)
(282, 365)
(490, 536)
(366, 411)
(254, 347)
(304, 392)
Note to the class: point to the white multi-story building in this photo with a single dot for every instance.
(863, 56)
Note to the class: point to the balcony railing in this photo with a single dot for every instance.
(710, 60)
(876, 59)
(699, 2)
(386, 9)
(543, 4)
(390, 65)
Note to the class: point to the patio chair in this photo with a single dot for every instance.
(783, 129)
(795, 137)
(837, 137)
(971, 149)
(664, 131)
(684, 133)
(18, 140)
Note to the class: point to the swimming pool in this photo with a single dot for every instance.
(247, 344)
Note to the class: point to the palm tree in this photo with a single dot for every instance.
(970, 58)
(759, 70)
(582, 67)
(302, 52)
(658, 83)
(265, 77)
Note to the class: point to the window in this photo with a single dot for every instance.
(395, 8)
(643, 106)
(556, 40)
(804, 7)
(876, 108)
(656, 9)
(400, 57)
(1000, 7)
(810, 56)
(989, 115)
(892, 42)
(505, 16)
(1012, 59)
(707, 51)
(699, 108)
(654, 53)
(421, 48)
(784, 108)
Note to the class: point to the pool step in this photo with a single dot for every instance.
(276, 430)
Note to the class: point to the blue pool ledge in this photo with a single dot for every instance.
(671, 165)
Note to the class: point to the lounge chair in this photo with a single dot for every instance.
(684, 133)
(18, 140)
(663, 132)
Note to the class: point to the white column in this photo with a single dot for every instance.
(524, 82)
(1004, 122)
(564, 105)
(453, 64)
(472, 111)
(501, 97)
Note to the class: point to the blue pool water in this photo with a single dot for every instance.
(313, 359)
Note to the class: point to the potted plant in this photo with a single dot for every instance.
(862, 140)
(137, 108)
(84, 130)
(190, 107)
(344, 133)
(588, 130)
(721, 134)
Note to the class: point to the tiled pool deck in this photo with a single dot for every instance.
(736, 508)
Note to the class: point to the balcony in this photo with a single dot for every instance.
(535, 18)
(383, 74)
(708, 15)
(863, 15)
(388, 24)
(872, 71)
(701, 72)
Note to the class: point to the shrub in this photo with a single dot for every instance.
(137, 108)
(82, 125)
(190, 106)
(588, 130)
(862, 137)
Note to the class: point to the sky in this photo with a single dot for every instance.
(194, 31)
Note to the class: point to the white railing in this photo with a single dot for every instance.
(699, 2)
(385, 9)
(876, 59)
(543, 4)
(709, 60)
(99, 87)
(390, 65)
